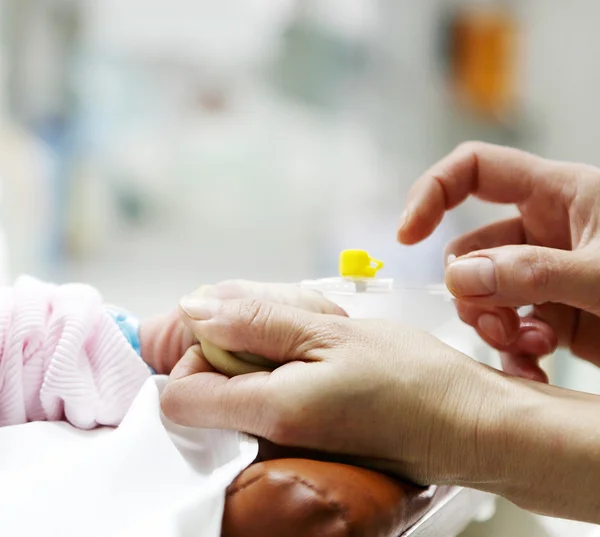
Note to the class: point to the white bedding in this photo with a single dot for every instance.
(148, 477)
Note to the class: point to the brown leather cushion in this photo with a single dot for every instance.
(296, 497)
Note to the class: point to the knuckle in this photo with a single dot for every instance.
(300, 338)
(533, 271)
(295, 331)
(255, 313)
(315, 336)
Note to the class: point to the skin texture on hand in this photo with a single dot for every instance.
(548, 256)
(165, 339)
(392, 398)
(239, 363)
(326, 362)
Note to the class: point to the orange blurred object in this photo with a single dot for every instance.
(484, 58)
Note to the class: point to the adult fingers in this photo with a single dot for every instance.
(196, 396)
(498, 327)
(277, 332)
(577, 330)
(489, 172)
(536, 339)
(504, 330)
(281, 293)
(523, 366)
(513, 276)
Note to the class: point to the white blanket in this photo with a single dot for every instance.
(149, 477)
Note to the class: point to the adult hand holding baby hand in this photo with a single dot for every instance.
(239, 363)
(392, 398)
(397, 399)
(166, 338)
(386, 396)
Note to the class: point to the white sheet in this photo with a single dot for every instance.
(148, 477)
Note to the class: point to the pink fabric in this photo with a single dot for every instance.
(62, 357)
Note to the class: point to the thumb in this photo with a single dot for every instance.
(520, 275)
(277, 332)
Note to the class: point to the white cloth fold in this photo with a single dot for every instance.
(148, 477)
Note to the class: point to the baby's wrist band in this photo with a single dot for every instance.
(130, 327)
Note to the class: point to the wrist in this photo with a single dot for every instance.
(539, 447)
(472, 420)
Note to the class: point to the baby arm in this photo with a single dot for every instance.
(64, 356)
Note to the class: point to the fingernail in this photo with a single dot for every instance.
(493, 328)
(450, 259)
(473, 276)
(200, 309)
(533, 342)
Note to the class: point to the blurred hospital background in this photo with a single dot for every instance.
(149, 146)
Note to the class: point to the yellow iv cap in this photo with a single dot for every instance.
(358, 264)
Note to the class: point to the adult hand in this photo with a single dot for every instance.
(391, 398)
(166, 338)
(389, 395)
(548, 256)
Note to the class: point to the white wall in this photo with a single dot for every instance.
(563, 77)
